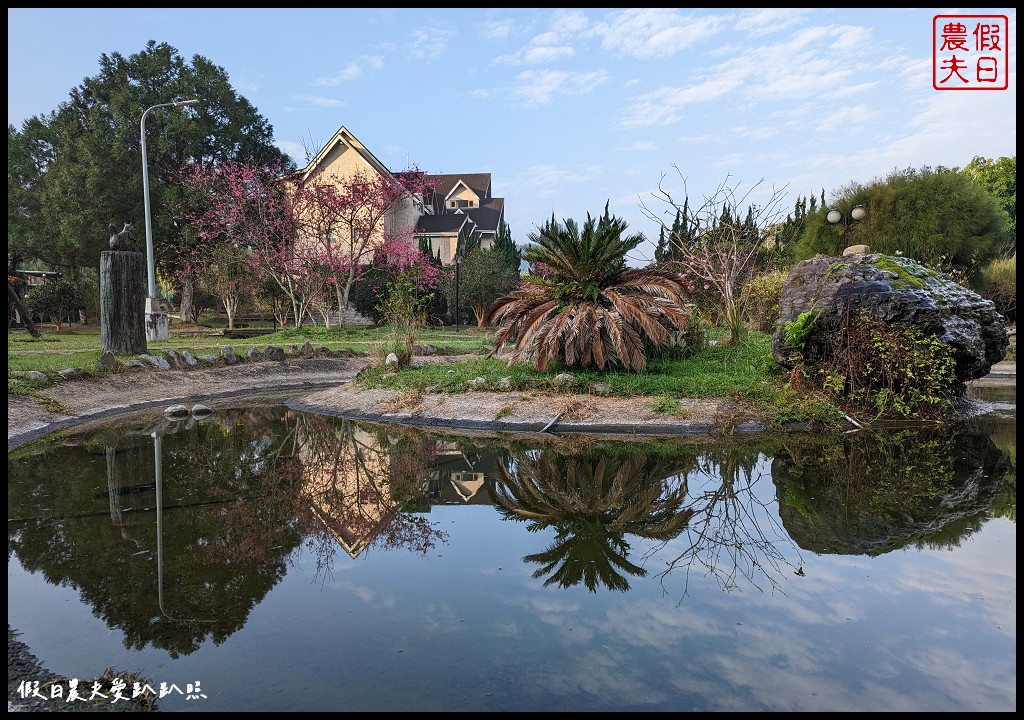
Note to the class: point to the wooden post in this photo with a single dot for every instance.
(123, 302)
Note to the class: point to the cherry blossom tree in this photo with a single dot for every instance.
(344, 223)
(248, 207)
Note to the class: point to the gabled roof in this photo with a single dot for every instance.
(480, 183)
(487, 218)
(343, 137)
(436, 224)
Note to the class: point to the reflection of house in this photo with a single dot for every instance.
(467, 484)
(358, 486)
(454, 208)
(349, 488)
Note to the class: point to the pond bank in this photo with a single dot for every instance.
(322, 385)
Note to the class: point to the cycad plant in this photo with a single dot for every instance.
(584, 306)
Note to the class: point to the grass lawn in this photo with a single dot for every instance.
(744, 371)
(79, 346)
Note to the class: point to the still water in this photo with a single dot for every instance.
(285, 561)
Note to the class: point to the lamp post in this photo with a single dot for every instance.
(858, 212)
(156, 318)
(458, 262)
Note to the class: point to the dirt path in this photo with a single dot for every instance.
(322, 385)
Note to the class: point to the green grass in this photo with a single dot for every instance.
(744, 371)
(741, 370)
(80, 347)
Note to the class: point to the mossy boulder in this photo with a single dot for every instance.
(892, 289)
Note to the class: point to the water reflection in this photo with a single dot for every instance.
(226, 533)
(872, 494)
(174, 533)
(593, 499)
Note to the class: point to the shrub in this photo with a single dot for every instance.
(764, 292)
(890, 369)
(997, 281)
(55, 299)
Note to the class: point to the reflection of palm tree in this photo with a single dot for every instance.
(592, 502)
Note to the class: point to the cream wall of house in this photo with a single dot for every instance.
(447, 245)
(340, 165)
(462, 193)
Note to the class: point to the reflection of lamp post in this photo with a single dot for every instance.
(857, 213)
(157, 454)
(156, 319)
(458, 262)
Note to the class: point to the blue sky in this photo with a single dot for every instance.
(569, 109)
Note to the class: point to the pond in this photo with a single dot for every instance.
(265, 559)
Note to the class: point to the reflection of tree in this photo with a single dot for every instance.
(361, 486)
(733, 533)
(699, 503)
(1004, 435)
(592, 500)
(878, 492)
(227, 526)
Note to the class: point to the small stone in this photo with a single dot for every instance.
(154, 361)
(177, 411)
(228, 353)
(274, 353)
(69, 373)
(201, 411)
(107, 362)
(175, 359)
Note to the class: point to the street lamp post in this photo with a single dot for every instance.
(458, 262)
(856, 213)
(156, 318)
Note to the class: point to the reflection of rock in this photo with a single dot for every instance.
(879, 494)
(896, 290)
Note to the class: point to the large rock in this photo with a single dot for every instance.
(895, 290)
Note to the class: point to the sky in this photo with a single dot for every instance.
(573, 109)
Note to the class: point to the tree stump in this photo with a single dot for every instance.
(123, 302)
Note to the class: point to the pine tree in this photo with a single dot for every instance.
(504, 246)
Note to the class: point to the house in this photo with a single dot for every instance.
(456, 207)
(452, 209)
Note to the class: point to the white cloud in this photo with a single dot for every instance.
(430, 42)
(770, 20)
(539, 87)
(547, 54)
(351, 71)
(497, 29)
(654, 32)
(664, 106)
(319, 101)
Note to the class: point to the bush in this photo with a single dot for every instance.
(56, 300)
(889, 369)
(997, 281)
(764, 292)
